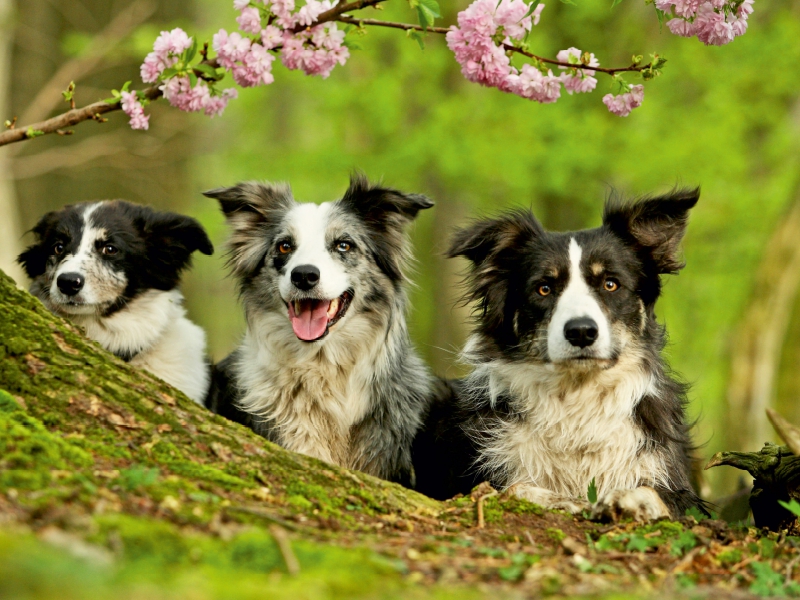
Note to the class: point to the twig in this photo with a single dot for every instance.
(71, 117)
(789, 569)
(285, 546)
(481, 523)
(508, 47)
(117, 30)
(378, 23)
(339, 9)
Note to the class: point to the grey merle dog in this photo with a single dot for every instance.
(568, 384)
(326, 367)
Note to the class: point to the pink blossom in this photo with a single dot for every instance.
(681, 27)
(534, 85)
(216, 104)
(230, 48)
(283, 10)
(712, 27)
(577, 80)
(134, 109)
(250, 20)
(313, 9)
(745, 9)
(321, 55)
(255, 69)
(623, 104)
(537, 13)
(166, 49)
(241, 4)
(686, 8)
(665, 5)
(271, 36)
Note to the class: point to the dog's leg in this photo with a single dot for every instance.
(640, 504)
(548, 499)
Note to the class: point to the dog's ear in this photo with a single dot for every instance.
(34, 258)
(171, 240)
(493, 247)
(385, 212)
(380, 207)
(654, 226)
(250, 208)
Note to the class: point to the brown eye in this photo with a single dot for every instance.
(544, 290)
(343, 247)
(109, 250)
(58, 248)
(284, 247)
(611, 285)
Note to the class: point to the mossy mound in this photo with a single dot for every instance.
(113, 484)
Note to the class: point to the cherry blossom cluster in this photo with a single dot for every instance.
(622, 104)
(713, 22)
(483, 40)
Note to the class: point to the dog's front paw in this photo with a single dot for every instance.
(548, 499)
(640, 504)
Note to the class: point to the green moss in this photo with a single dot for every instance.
(555, 534)
(729, 557)
(206, 473)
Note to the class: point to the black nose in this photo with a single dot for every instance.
(70, 283)
(581, 332)
(305, 277)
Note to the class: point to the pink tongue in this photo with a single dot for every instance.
(310, 323)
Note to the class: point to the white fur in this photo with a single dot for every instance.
(314, 393)
(101, 284)
(309, 223)
(575, 425)
(575, 302)
(154, 324)
(640, 504)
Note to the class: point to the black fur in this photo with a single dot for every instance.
(511, 257)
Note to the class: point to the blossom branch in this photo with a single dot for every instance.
(403, 26)
(67, 119)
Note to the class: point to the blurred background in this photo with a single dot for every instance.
(727, 119)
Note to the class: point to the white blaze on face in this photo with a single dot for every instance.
(577, 301)
(308, 224)
(101, 285)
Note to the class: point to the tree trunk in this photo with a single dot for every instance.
(10, 230)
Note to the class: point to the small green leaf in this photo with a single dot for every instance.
(192, 79)
(126, 86)
(167, 73)
(416, 35)
(207, 71)
(111, 100)
(591, 493)
(793, 506)
(532, 8)
(637, 543)
(32, 133)
(615, 2)
(352, 44)
(427, 11)
(191, 51)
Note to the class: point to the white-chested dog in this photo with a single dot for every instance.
(326, 367)
(569, 384)
(113, 268)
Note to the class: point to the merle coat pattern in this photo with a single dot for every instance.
(113, 268)
(326, 367)
(568, 382)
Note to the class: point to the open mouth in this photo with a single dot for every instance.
(311, 318)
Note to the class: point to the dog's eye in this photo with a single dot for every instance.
(611, 285)
(58, 248)
(284, 247)
(343, 246)
(109, 250)
(544, 290)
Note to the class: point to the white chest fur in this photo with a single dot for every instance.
(311, 393)
(572, 427)
(154, 327)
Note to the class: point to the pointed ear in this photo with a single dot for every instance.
(380, 207)
(493, 248)
(172, 239)
(249, 208)
(34, 258)
(654, 226)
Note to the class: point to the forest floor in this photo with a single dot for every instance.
(114, 485)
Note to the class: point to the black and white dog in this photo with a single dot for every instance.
(326, 367)
(568, 384)
(113, 268)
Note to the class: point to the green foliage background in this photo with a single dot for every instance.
(726, 119)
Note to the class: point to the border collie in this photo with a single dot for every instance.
(113, 268)
(326, 367)
(568, 382)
